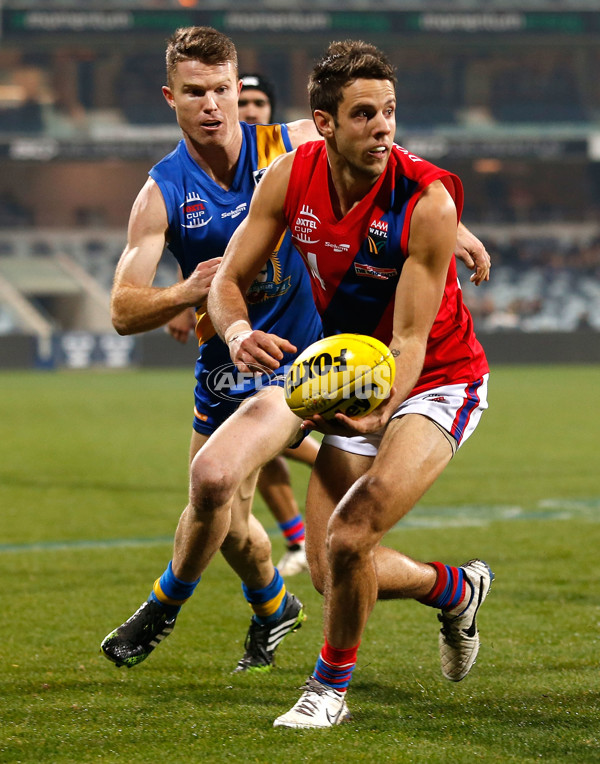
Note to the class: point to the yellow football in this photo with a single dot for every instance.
(349, 373)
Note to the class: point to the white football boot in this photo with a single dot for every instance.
(293, 561)
(319, 706)
(459, 637)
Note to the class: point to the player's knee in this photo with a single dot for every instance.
(372, 492)
(345, 546)
(211, 482)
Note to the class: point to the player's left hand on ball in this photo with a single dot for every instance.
(340, 425)
(347, 426)
(258, 351)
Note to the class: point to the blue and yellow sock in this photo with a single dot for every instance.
(171, 592)
(268, 603)
(449, 589)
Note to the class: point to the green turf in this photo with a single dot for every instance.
(92, 481)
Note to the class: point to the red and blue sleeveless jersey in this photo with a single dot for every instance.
(203, 217)
(355, 262)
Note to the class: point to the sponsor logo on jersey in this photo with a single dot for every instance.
(194, 211)
(379, 228)
(257, 175)
(337, 247)
(269, 282)
(236, 212)
(377, 238)
(383, 274)
(305, 226)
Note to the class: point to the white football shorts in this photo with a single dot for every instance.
(456, 409)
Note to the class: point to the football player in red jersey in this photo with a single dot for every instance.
(203, 92)
(370, 472)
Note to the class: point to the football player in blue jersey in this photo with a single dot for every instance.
(256, 105)
(192, 203)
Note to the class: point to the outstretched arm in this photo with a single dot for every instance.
(247, 252)
(137, 306)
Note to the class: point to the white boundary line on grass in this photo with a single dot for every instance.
(422, 517)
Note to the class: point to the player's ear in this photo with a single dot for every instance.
(168, 94)
(323, 122)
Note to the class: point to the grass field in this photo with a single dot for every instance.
(92, 481)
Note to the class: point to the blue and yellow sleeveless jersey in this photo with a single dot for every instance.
(202, 218)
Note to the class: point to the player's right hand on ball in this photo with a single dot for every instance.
(258, 351)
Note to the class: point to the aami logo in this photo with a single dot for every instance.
(306, 226)
(379, 228)
(377, 238)
(194, 211)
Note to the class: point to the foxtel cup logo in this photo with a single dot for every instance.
(228, 383)
(326, 376)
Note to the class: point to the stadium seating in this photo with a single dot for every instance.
(539, 282)
(49, 268)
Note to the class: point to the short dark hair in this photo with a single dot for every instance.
(343, 63)
(203, 44)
